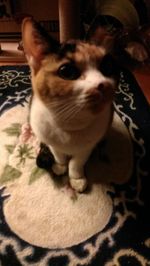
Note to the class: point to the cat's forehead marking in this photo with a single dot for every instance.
(67, 48)
(88, 52)
(81, 52)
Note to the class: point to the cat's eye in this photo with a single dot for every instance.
(69, 71)
(108, 66)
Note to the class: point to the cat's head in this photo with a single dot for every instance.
(76, 76)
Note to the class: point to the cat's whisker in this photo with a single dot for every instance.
(65, 115)
(65, 105)
(70, 114)
(67, 111)
(63, 100)
(73, 113)
(63, 112)
(59, 112)
(57, 104)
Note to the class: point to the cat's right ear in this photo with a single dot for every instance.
(101, 37)
(36, 43)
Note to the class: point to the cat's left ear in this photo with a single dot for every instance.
(36, 43)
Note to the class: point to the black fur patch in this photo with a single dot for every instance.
(67, 47)
(45, 158)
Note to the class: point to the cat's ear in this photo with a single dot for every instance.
(36, 43)
(101, 37)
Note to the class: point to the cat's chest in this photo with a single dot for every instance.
(47, 131)
(44, 126)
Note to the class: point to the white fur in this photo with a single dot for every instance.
(92, 78)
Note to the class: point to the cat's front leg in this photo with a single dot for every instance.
(59, 167)
(78, 180)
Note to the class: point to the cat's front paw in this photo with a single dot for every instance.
(59, 169)
(79, 184)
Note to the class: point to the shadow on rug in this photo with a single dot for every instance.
(44, 222)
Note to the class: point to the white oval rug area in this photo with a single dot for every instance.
(39, 211)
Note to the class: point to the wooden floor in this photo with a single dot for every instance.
(142, 74)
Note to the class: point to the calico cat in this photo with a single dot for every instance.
(73, 88)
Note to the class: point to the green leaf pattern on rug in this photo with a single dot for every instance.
(36, 174)
(25, 152)
(13, 130)
(10, 148)
(9, 174)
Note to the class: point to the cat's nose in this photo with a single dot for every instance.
(99, 89)
(103, 91)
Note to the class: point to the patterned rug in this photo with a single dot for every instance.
(42, 220)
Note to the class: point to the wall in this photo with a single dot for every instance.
(45, 11)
